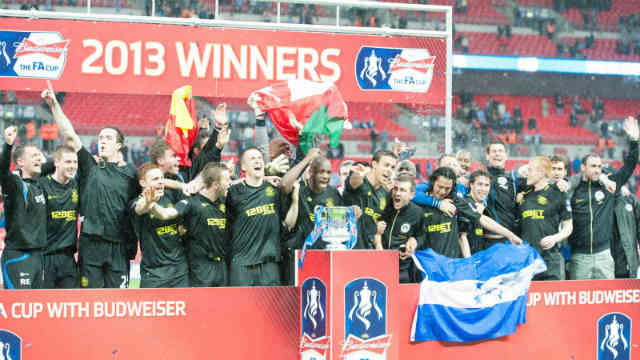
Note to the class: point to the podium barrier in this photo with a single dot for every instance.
(565, 320)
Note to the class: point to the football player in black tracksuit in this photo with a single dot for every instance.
(204, 214)
(62, 193)
(542, 210)
(501, 204)
(308, 194)
(254, 220)
(479, 186)
(177, 177)
(164, 258)
(593, 213)
(107, 186)
(400, 227)
(26, 216)
(370, 191)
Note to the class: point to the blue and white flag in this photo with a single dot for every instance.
(476, 298)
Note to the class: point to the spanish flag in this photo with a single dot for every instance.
(181, 129)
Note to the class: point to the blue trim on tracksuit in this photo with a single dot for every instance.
(4, 270)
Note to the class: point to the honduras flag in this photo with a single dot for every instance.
(476, 298)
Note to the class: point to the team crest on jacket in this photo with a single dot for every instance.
(10, 345)
(405, 228)
(383, 203)
(32, 54)
(542, 200)
(314, 343)
(394, 69)
(269, 191)
(365, 320)
(614, 337)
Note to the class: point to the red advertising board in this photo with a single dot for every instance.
(565, 320)
(110, 57)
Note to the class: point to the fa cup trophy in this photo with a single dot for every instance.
(340, 232)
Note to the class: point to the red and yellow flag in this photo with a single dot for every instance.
(181, 130)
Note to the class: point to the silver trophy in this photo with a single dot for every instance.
(337, 232)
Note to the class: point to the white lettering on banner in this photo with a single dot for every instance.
(3, 312)
(101, 309)
(139, 309)
(242, 62)
(584, 297)
(116, 57)
(248, 61)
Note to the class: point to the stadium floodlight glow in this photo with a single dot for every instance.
(534, 64)
(529, 64)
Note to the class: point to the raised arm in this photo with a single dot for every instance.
(291, 177)
(631, 160)
(292, 214)
(60, 118)
(10, 134)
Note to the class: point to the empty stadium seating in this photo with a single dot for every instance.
(607, 20)
(554, 129)
(604, 49)
(138, 115)
(523, 45)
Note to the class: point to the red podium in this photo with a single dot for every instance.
(346, 305)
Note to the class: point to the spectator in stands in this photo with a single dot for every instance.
(559, 104)
(589, 40)
(604, 129)
(373, 134)
(573, 119)
(532, 124)
(464, 43)
(537, 142)
(577, 106)
(560, 49)
(551, 29)
(518, 125)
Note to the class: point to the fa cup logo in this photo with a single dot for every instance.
(614, 336)
(313, 307)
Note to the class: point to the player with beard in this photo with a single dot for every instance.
(442, 230)
(204, 214)
(400, 227)
(107, 186)
(164, 260)
(593, 213)
(254, 220)
(370, 191)
(26, 215)
(544, 210)
(61, 191)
